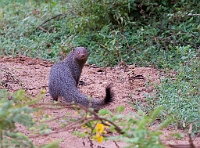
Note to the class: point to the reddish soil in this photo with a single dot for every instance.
(32, 75)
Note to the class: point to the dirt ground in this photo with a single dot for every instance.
(129, 83)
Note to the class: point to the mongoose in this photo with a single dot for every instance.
(64, 77)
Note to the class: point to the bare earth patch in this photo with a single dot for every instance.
(128, 85)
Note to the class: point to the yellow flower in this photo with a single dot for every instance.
(43, 91)
(98, 138)
(107, 126)
(99, 128)
(76, 113)
(88, 116)
(85, 131)
(83, 126)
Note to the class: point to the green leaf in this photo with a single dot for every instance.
(142, 123)
(119, 109)
(53, 144)
(19, 95)
(53, 3)
(165, 123)
(116, 117)
(132, 140)
(156, 112)
(104, 112)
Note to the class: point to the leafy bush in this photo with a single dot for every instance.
(119, 13)
(131, 128)
(19, 32)
(15, 110)
(142, 32)
(136, 129)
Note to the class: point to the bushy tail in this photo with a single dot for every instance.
(98, 104)
(109, 95)
(73, 95)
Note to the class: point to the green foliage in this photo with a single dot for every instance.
(131, 128)
(144, 32)
(180, 95)
(14, 112)
(52, 145)
(122, 13)
(136, 128)
(19, 32)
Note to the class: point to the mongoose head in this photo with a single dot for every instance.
(80, 54)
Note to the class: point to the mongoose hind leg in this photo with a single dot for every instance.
(55, 97)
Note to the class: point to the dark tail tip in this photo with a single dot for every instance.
(109, 94)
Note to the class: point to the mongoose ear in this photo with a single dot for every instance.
(73, 50)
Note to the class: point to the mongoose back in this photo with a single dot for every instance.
(64, 77)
